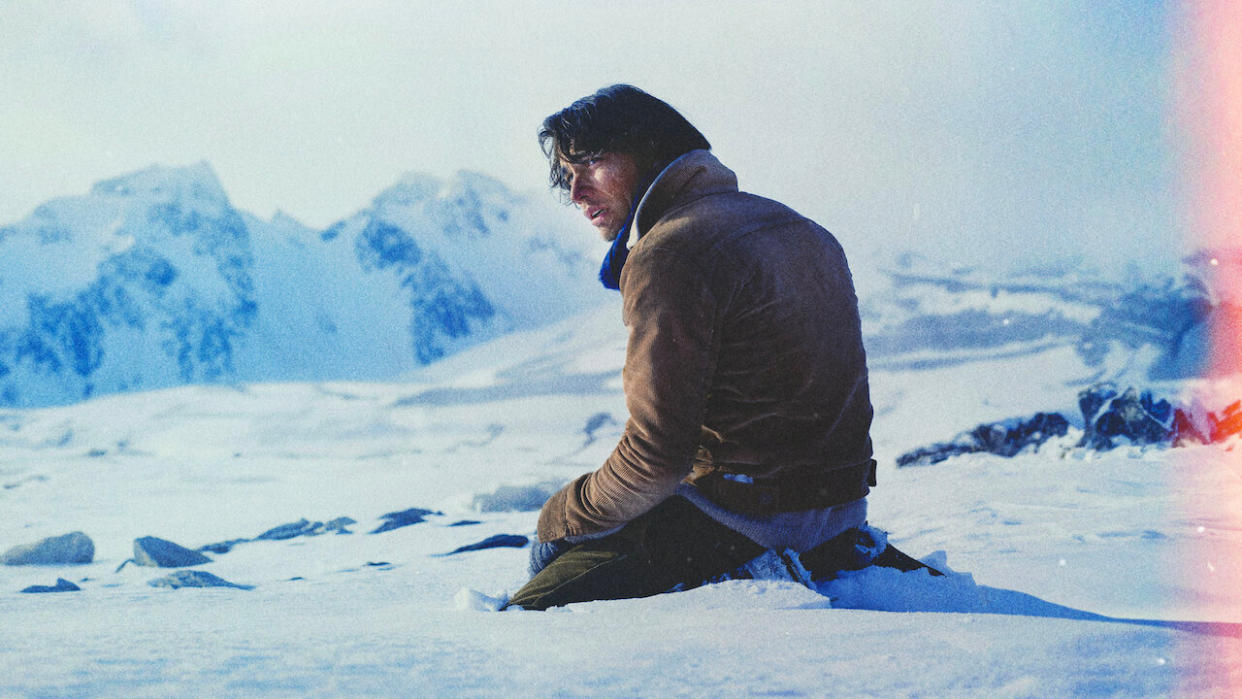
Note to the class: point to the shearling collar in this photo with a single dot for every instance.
(693, 175)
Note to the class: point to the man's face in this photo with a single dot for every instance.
(603, 187)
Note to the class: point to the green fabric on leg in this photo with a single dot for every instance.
(673, 544)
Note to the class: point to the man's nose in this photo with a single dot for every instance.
(577, 189)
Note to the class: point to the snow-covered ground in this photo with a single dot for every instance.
(1074, 572)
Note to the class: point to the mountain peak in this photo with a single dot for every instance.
(411, 188)
(197, 182)
(477, 181)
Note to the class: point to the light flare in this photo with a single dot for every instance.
(1207, 123)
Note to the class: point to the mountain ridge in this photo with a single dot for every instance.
(154, 279)
(170, 284)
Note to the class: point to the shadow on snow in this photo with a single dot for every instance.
(889, 590)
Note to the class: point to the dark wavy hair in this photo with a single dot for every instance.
(617, 118)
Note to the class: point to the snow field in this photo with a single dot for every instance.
(1041, 547)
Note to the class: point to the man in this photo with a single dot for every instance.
(745, 375)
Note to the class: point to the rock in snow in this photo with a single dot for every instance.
(160, 553)
(1003, 438)
(223, 546)
(1138, 417)
(195, 578)
(61, 585)
(1108, 417)
(74, 547)
(516, 541)
(305, 527)
(404, 518)
(290, 530)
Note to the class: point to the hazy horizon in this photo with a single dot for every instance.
(976, 133)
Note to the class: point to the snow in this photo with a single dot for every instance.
(1070, 572)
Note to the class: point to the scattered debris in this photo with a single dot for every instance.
(1109, 417)
(1142, 419)
(1137, 417)
(1228, 424)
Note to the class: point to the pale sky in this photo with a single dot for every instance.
(974, 130)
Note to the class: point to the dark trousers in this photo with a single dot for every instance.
(674, 545)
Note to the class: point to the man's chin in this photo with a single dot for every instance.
(607, 233)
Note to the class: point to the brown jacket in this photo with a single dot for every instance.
(744, 353)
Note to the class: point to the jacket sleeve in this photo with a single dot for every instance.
(670, 358)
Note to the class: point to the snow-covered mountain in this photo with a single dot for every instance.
(154, 279)
(922, 313)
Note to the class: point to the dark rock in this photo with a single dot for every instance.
(465, 523)
(61, 585)
(1136, 417)
(71, 548)
(195, 578)
(1006, 438)
(1108, 416)
(934, 454)
(339, 525)
(302, 527)
(1092, 398)
(404, 518)
(516, 541)
(222, 546)
(305, 527)
(159, 553)
(288, 531)
(1161, 409)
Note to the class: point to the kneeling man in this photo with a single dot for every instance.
(745, 376)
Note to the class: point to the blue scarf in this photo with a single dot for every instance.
(618, 252)
(614, 259)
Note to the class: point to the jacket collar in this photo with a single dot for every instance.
(693, 175)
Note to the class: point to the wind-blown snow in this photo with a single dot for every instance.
(1071, 572)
